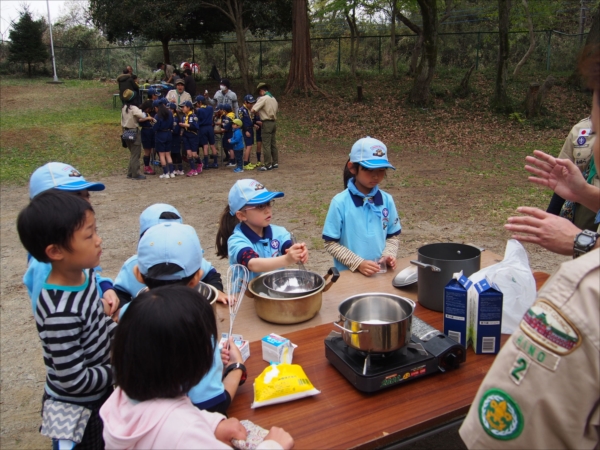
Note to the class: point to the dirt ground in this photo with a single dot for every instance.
(309, 181)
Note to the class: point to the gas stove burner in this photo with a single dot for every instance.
(371, 372)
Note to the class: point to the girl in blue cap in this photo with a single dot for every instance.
(147, 135)
(362, 227)
(163, 127)
(176, 142)
(247, 236)
(189, 123)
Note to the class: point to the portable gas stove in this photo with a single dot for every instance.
(429, 351)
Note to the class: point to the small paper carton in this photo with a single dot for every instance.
(277, 349)
(456, 305)
(240, 343)
(485, 313)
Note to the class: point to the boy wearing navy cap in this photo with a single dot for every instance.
(153, 94)
(362, 224)
(170, 253)
(237, 142)
(226, 124)
(190, 137)
(247, 117)
(206, 133)
(176, 141)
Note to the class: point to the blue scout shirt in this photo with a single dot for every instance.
(247, 118)
(127, 282)
(244, 244)
(205, 115)
(237, 141)
(359, 226)
(192, 119)
(37, 273)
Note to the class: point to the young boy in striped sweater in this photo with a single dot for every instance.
(74, 330)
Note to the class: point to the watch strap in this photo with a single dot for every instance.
(235, 366)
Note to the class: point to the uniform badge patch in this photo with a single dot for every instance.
(545, 325)
(275, 244)
(500, 416)
(581, 140)
(385, 212)
(538, 354)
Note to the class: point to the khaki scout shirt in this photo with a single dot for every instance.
(266, 107)
(175, 97)
(579, 143)
(543, 390)
(130, 119)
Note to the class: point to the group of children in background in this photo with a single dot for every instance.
(189, 127)
(163, 320)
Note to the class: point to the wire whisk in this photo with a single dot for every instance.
(238, 278)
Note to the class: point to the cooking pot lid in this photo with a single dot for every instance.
(406, 276)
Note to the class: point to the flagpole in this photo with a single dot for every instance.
(52, 44)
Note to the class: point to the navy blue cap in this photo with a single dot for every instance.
(186, 103)
(226, 107)
(153, 91)
(249, 98)
(200, 99)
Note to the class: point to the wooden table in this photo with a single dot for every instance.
(341, 416)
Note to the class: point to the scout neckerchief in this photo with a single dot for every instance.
(187, 119)
(367, 199)
(269, 94)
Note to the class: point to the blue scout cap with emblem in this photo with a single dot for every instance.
(249, 192)
(186, 103)
(153, 91)
(151, 216)
(249, 98)
(163, 101)
(170, 243)
(60, 176)
(370, 153)
(200, 99)
(155, 103)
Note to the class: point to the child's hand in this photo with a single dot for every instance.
(247, 134)
(232, 354)
(280, 436)
(390, 261)
(105, 306)
(222, 297)
(297, 253)
(112, 301)
(368, 268)
(229, 140)
(229, 429)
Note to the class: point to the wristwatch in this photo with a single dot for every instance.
(236, 366)
(584, 242)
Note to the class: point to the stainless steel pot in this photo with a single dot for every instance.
(291, 283)
(277, 309)
(376, 322)
(437, 263)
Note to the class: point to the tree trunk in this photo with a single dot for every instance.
(29, 69)
(501, 102)
(463, 90)
(240, 52)
(420, 93)
(393, 40)
(165, 47)
(541, 95)
(593, 39)
(530, 100)
(301, 75)
(351, 19)
(414, 58)
(531, 41)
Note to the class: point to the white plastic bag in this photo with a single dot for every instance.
(515, 279)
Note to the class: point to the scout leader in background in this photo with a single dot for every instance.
(178, 95)
(543, 389)
(578, 149)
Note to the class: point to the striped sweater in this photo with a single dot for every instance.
(75, 335)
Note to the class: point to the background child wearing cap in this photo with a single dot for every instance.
(362, 225)
(247, 236)
(218, 130)
(237, 142)
(63, 177)
(127, 285)
(150, 408)
(74, 330)
(190, 137)
(168, 254)
(147, 134)
(176, 142)
(163, 129)
(226, 124)
(206, 134)
(247, 118)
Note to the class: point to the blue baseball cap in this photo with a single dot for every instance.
(170, 243)
(172, 105)
(219, 107)
(226, 107)
(200, 99)
(186, 103)
(249, 192)
(60, 176)
(163, 101)
(155, 103)
(153, 91)
(370, 153)
(249, 98)
(151, 216)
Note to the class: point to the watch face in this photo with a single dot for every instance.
(584, 240)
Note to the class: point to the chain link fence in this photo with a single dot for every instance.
(555, 52)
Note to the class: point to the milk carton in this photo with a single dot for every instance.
(456, 306)
(240, 343)
(485, 317)
(277, 349)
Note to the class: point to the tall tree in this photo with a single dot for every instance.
(26, 45)
(301, 75)
(592, 40)
(531, 40)
(501, 101)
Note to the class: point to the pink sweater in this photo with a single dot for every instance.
(160, 424)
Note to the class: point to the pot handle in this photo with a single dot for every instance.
(426, 266)
(349, 331)
(335, 274)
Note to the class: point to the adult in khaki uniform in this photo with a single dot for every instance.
(543, 390)
(178, 95)
(131, 115)
(266, 106)
(578, 149)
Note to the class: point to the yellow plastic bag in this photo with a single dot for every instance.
(281, 383)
